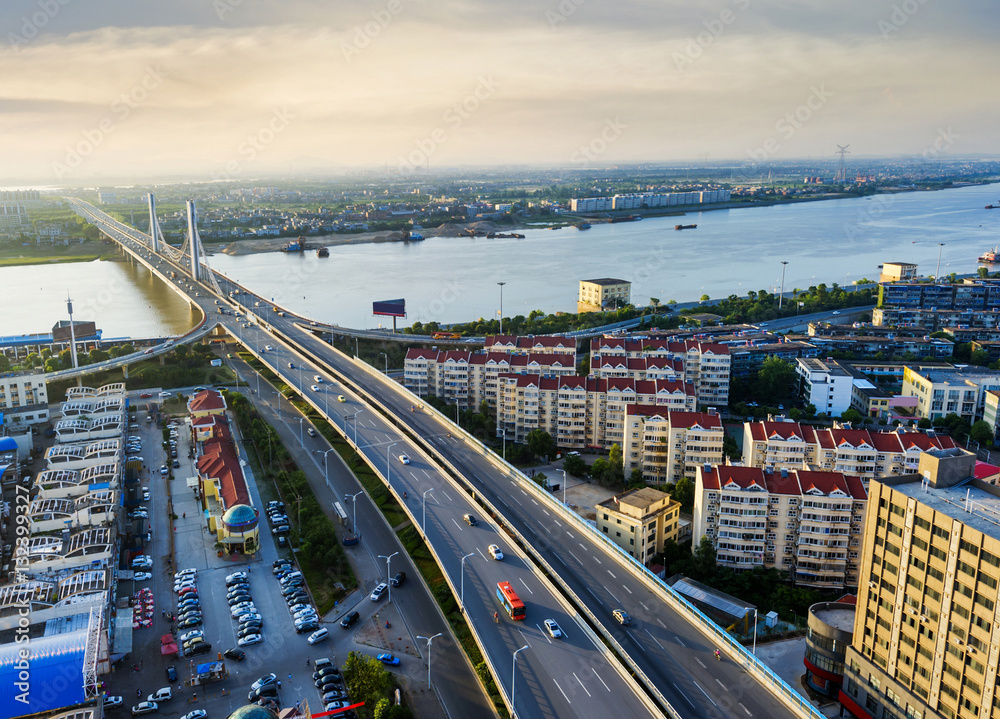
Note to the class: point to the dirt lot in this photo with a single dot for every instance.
(583, 498)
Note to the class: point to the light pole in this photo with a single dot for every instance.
(386, 363)
(387, 571)
(754, 630)
(462, 591)
(354, 507)
(302, 442)
(357, 351)
(388, 467)
(501, 305)
(355, 418)
(423, 522)
(513, 678)
(937, 272)
(504, 443)
(326, 465)
(429, 640)
(781, 294)
(564, 486)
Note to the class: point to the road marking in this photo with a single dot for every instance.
(517, 500)
(582, 546)
(535, 503)
(704, 692)
(626, 589)
(660, 622)
(612, 595)
(546, 512)
(745, 709)
(456, 524)
(654, 639)
(581, 684)
(719, 682)
(558, 522)
(612, 574)
(476, 477)
(447, 496)
(594, 595)
(547, 530)
(684, 695)
(596, 560)
(521, 631)
(524, 493)
(544, 634)
(680, 641)
(701, 663)
(570, 535)
(525, 585)
(599, 678)
(426, 473)
(480, 553)
(574, 556)
(558, 558)
(561, 691)
(643, 605)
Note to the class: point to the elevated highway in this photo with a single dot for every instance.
(569, 570)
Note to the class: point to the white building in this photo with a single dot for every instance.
(825, 385)
(24, 399)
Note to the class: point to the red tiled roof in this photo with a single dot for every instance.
(782, 430)
(825, 482)
(220, 461)
(421, 353)
(206, 400)
(743, 477)
(984, 470)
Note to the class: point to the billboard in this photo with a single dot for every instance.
(390, 308)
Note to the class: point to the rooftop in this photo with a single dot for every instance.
(838, 616)
(983, 499)
(607, 281)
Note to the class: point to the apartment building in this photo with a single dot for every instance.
(808, 523)
(602, 293)
(898, 272)
(932, 320)
(640, 521)
(871, 346)
(706, 364)
(580, 411)
(825, 385)
(669, 445)
(470, 378)
(958, 390)
(23, 398)
(863, 453)
(542, 345)
(926, 636)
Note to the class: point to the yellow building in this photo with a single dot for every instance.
(958, 390)
(667, 445)
(640, 521)
(206, 403)
(603, 293)
(926, 638)
(898, 272)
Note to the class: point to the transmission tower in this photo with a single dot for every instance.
(843, 152)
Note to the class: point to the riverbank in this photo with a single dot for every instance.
(19, 255)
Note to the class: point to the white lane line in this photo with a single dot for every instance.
(535, 503)
(596, 560)
(612, 574)
(574, 556)
(524, 493)
(525, 585)
(426, 473)
(599, 679)
(654, 639)
(643, 605)
(517, 500)
(612, 595)
(582, 546)
(456, 524)
(680, 641)
(546, 512)
(558, 522)
(684, 695)
(544, 634)
(570, 535)
(704, 692)
(660, 622)
(561, 691)
(701, 663)
(560, 559)
(626, 589)
(632, 637)
(594, 595)
(480, 553)
(719, 682)
(547, 530)
(447, 496)
(746, 710)
(581, 684)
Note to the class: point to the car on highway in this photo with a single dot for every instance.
(311, 432)
(387, 658)
(268, 348)
(379, 591)
(622, 617)
(341, 398)
(349, 619)
(404, 459)
(470, 519)
(552, 628)
(164, 395)
(397, 579)
(145, 708)
(314, 387)
(495, 552)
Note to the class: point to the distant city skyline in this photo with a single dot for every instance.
(231, 89)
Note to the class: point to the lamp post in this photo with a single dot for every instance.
(462, 590)
(564, 486)
(388, 467)
(423, 522)
(754, 631)
(781, 294)
(326, 465)
(501, 305)
(355, 418)
(937, 272)
(357, 351)
(387, 571)
(429, 640)
(354, 508)
(504, 443)
(513, 678)
(386, 362)
(302, 442)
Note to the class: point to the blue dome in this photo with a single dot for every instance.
(240, 516)
(252, 711)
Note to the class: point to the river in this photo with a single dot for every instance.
(455, 279)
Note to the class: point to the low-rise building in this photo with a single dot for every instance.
(898, 272)
(667, 446)
(603, 293)
(958, 390)
(825, 385)
(807, 523)
(830, 628)
(206, 403)
(23, 398)
(224, 493)
(640, 521)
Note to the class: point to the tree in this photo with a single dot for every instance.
(684, 493)
(575, 466)
(366, 678)
(774, 380)
(983, 272)
(705, 298)
(635, 478)
(851, 415)
(541, 443)
(617, 461)
(924, 423)
(704, 558)
(181, 351)
(4, 362)
(981, 432)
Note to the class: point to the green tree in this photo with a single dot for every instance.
(4, 362)
(574, 465)
(983, 272)
(684, 493)
(979, 357)
(775, 380)
(635, 478)
(981, 432)
(851, 415)
(924, 423)
(181, 351)
(617, 461)
(704, 559)
(541, 443)
(705, 298)
(366, 678)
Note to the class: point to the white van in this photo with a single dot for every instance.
(318, 636)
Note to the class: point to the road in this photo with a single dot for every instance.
(666, 645)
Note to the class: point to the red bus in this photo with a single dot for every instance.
(512, 604)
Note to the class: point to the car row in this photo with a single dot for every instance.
(189, 613)
(250, 629)
(329, 684)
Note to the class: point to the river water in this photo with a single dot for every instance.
(455, 279)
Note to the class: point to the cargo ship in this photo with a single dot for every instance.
(627, 218)
(993, 207)
(323, 252)
(991, 256)
(684, 227)
(296, 245)
(583, 226)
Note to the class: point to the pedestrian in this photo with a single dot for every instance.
(307, 661)
(279, 684)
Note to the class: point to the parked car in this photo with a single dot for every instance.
(163, 694)
(281, 529)
(309, 626)
(236, 576)
(387, 658)
(145, 708)
(319, 635)
(196, 714)
(111, 702)
(264, 681)
(190, 622)
(237, 655)
(202, 648)
(250, 639)
(188, 636)
(186, 573)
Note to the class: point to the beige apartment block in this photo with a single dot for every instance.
(640, 521)
(898, 272)
(926, 637)
(603, 293)
(667, 445)
(941, 392)
(24, 398)
(541, 345)
(804, 522)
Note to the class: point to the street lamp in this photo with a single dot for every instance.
(355, 418)
(564, 486)
(754, 651)
(504, 430)
(429, 640)
(386, 362)
(501, 305)
(423, 522)
(388, 467)
(302, 442)
(326, 465)
(513, 678)
(781, 294)
(937, 272)
(462, 591)
(357, 351)
(354, 506)
(387, 571)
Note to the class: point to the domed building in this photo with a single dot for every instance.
(240, 529)
(252, 711)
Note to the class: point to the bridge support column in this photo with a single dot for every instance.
(125, 371)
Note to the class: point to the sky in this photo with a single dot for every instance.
(238, 89)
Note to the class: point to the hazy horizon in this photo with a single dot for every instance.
(229, 89)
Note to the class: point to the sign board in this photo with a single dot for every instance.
(390, 308)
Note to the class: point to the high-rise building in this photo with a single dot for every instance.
(926, 639)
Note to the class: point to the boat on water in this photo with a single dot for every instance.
(296, 245)
(583, 226)
(684, 227)
(991, 256)
(626, 218)
(323, 252)
(993, 207)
